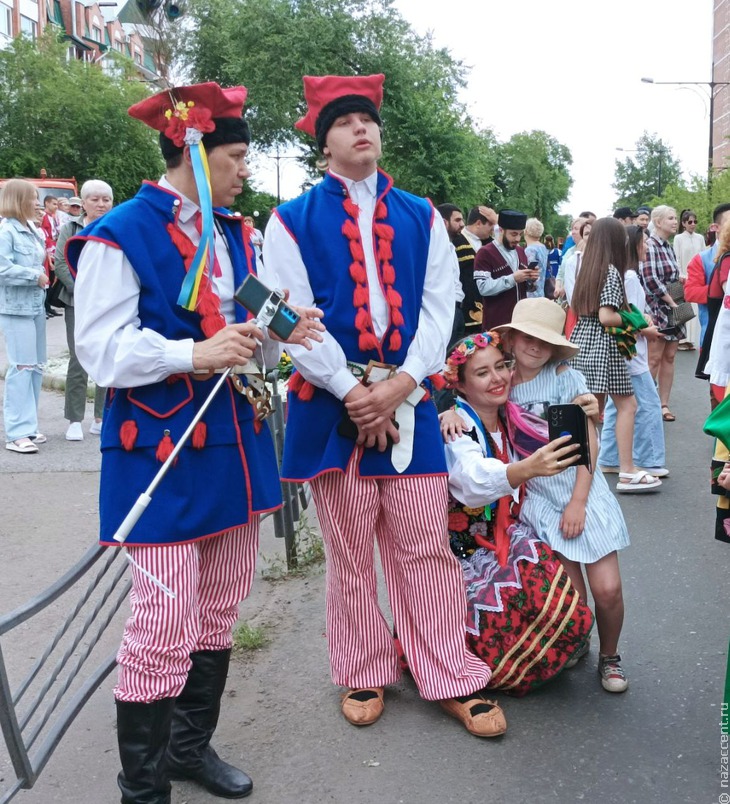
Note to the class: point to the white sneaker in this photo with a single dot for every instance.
(95, 428)
(74, 432)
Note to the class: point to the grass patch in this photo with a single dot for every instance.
(247, 637)
(309, 554)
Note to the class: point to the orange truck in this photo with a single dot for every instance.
(51, 186)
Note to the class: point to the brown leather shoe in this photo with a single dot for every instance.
(363, 706)
(480, 717)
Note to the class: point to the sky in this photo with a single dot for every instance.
(574, 69)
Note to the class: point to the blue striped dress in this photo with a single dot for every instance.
(546, 497)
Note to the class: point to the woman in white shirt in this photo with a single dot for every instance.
(686, 244)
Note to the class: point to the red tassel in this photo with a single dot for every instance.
(367, 341)
(358, 273)
(396, 317)
(306, 392)
(395, 341)
(356, 250)
(362, 320)
(438, 381)
(211, 325)
(200, 432)
(257, 425)
(384, 231)
(381, 211)
(350, 230)
(181, 242)
(394, 298)
(295, 382)
(300, 387)
(128, 434)
(385, 250)
(164, 448)
(351, 208)
(388, 274)
(360, 297)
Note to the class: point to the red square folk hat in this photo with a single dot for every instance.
(208, 108)
(331, 96)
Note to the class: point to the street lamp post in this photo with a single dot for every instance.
(712, 94)
(278, 157)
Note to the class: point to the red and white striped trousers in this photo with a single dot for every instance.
(209, 578)
(407, 516)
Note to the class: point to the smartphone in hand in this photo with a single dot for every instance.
(570, 420)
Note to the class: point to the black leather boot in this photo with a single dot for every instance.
(143, 731)
(189, 755)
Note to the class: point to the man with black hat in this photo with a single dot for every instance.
(155, 323)
(625, 214)
(501, 271)
(360, 427)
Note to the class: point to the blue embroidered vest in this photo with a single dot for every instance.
(315, 220)
(215, 485)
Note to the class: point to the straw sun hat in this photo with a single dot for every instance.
(545, 320)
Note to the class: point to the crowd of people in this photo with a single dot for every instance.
(490, 533)
(34, 282)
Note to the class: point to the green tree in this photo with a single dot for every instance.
(534, 177)
(431, 145)
(71, 118)
(647, 173)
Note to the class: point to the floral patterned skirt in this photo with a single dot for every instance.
(525, 620)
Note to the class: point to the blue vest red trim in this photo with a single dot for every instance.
(315, 220)
(229, 472)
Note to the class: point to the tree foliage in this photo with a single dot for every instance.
(647, 173)
(71, 118)
(534, 177)
(431, 145)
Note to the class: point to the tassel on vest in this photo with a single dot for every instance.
(164, 448)
(301, 388)
(128, 434)
(200, 433)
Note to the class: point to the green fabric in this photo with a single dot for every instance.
(631, 322)
(718, 422)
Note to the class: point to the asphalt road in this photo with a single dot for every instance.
(569, 742)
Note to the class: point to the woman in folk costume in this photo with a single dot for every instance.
(155, 322)
(360, 427)
(525, 616)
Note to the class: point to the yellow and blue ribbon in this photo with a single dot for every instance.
(205, 255)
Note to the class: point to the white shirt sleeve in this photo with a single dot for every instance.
(325, 365)
(474, 479)
(110, 342)
(489, 286)
(458, 289)
(427, 353)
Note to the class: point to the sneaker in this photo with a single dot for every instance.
(74, 432)
(579, 654)
(613, 678)
(95, 428)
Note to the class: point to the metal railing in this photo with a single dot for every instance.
(36, 714)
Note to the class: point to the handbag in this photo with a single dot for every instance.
(681, 314)
(676, 291)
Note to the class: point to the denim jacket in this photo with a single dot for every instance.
(21, 263)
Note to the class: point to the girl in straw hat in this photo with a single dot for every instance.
(574, 512)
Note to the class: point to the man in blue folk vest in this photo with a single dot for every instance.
(155, 322)
(360, 427)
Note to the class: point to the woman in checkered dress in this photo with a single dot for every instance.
(598, 297)
(659, 270)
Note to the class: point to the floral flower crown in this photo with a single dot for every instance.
(465, 349)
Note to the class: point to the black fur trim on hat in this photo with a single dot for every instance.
(339, 107)
(228, 130)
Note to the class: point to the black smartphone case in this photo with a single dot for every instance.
(253, 294)
(570, 420)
